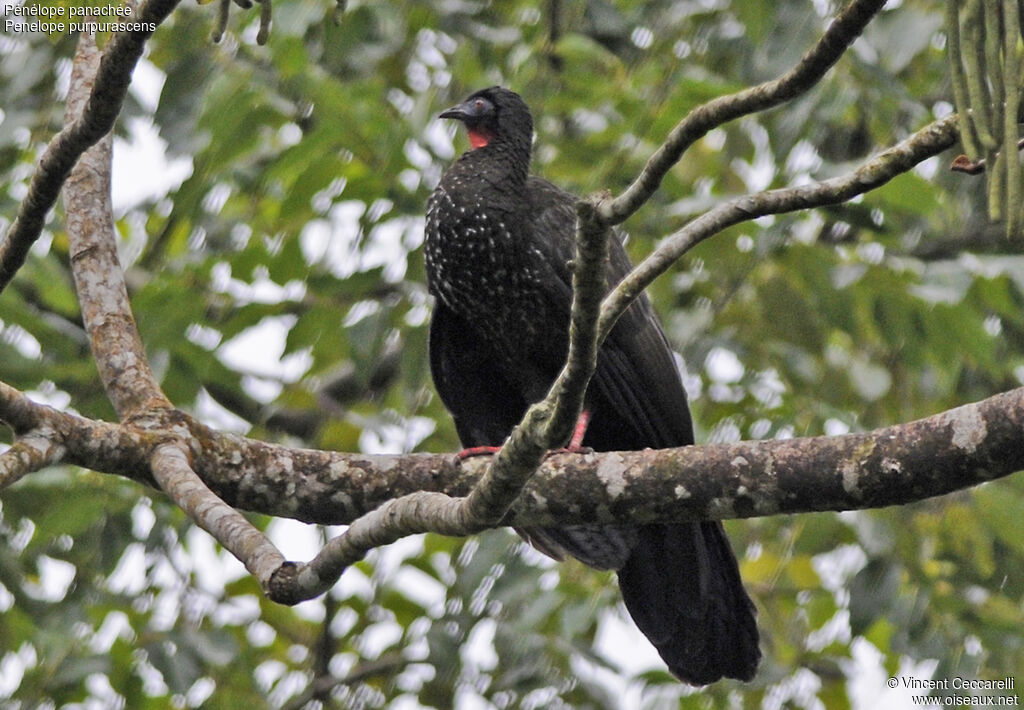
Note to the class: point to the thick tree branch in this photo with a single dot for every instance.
(209, 474)
(846, 27)
(898, 464)
(99, 278)
(104, 105)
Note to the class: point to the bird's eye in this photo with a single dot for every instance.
(480, 104)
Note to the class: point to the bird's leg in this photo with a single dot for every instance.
(579, 431)
(576, 442)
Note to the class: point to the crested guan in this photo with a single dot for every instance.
(498, 243)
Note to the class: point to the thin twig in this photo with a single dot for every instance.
(418, 512)
(321, 686)
(31, 452)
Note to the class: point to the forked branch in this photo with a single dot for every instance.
(117, 347)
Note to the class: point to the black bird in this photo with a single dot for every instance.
(498, 242)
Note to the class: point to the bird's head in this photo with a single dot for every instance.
(494, 114)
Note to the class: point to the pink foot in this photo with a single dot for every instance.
(576, 442)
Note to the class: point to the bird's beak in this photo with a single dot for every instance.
(459, 113)
(468, 111)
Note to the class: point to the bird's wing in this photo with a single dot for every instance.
(679, 581)
(484, 405)
(636, 376)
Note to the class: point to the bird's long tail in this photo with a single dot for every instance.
(682, 586)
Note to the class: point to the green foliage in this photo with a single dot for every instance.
(298, 229)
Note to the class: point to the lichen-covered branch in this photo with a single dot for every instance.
(840, 34)
(898, 464)
(33, 451)
(173, 473)
(588, 288)
(210, 474)
(906, 462)
(99, 278)
(422, 511)
(104, 105)
(44, 436)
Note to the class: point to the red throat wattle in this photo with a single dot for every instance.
(478, 138)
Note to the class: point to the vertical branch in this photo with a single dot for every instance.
(989, 47)
(323, 649)
(974, 65)
(588, 288)
(99, 278)
(266, 12)
(549, 423)
(555, 60)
